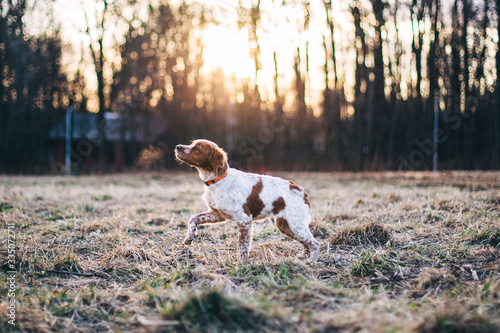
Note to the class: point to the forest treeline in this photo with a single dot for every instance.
(383, 121)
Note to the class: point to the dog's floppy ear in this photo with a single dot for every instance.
(218, 161)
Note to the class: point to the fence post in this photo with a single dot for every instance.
(436, 135)
(69, 126)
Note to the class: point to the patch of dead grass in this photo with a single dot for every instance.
(453, 318)
(431, 277)
(212, 311)
(68, 264)
(365, 234)
(489, 236)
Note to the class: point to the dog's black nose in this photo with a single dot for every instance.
(179, 147)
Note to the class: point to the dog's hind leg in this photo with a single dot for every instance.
(301, 233)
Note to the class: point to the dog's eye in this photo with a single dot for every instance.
(196, 148)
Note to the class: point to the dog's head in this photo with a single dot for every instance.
(204, 155)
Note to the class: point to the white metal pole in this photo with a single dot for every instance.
(69, 112)
(436, 135)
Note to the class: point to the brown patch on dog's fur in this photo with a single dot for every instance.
(243, 235)
(283, 226)
(278, 205)
(306, 199)
(246, 209)
(254, 205)
(218, 161)
(294, 186)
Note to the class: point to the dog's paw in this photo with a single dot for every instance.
(187, 240)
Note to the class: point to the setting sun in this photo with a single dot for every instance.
(227, 50)
(230, 48)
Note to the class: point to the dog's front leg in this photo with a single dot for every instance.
(200, 218)
(245, 238)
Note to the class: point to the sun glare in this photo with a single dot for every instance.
(227, 47)
(228, 50)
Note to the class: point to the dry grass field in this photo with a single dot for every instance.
(400, 252)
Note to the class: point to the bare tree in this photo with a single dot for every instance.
(497, 89)
(96, 36)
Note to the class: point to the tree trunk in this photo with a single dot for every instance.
(431, 58)
(98, 59)
(497, 90)
(361, 77)
(378, 83)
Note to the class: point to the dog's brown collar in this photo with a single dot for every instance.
(213, 181)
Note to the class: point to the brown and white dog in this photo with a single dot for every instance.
(245, 197)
